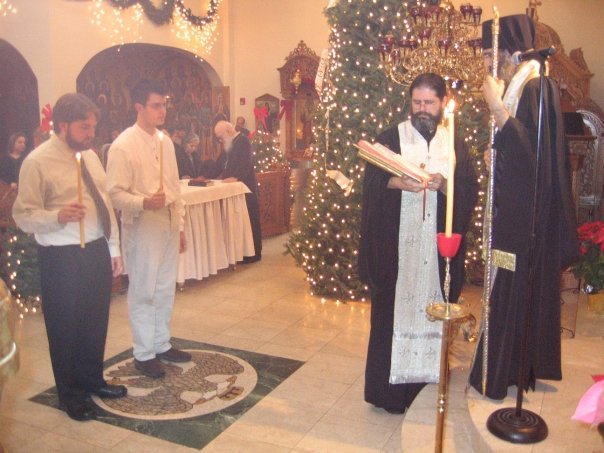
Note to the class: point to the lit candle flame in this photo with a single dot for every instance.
(450, 108)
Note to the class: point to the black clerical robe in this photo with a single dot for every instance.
(378, 264)
(555, 244)
(238, 163)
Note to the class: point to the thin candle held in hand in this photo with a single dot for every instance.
(78, 157)
(161, 160)
(450, 115)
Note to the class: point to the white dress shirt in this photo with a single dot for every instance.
(133, 173)
(47, 183)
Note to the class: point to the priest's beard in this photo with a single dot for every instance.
(228, 144)
(425, 124)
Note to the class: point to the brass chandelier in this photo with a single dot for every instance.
(435, 38)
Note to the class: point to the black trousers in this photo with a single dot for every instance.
(253, 209)
(76, 289)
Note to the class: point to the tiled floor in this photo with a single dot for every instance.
(265, 307)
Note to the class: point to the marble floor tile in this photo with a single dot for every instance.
(17, 436)
(323, 393)
(235, 444)
(352, 436)
(283, 422)
(340, 369)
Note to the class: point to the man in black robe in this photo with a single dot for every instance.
(554, 244)
(235, 164)
(380, 225)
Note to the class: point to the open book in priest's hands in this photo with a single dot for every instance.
(383, 157)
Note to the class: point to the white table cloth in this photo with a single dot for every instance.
(217, 228)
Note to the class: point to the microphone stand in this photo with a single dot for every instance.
(518, 425)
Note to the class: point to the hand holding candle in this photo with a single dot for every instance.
(161, 161)
(450, 116)
(78, 157)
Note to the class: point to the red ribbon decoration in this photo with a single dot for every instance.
(286, 108)
(46, 122)
(261, 113)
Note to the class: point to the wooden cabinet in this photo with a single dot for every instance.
(274, 200)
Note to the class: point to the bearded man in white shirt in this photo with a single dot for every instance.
(147, 193)
(79, 252)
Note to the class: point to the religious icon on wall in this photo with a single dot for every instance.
(220, 112)
(266, 112)
(220, 104)
(305, 107)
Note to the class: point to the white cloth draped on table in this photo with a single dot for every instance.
(217, 228)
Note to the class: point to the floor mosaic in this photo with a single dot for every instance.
(195, 401)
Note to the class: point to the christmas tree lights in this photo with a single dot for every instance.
(121, 21)
(357, 102)
(7, 8)
(20, 270)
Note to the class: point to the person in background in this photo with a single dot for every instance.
(235, 164)
(104, 149)
(75, 279)
(513, 99)
(152, 215)
(188, 159)
(41, 134)
(240, 126)
(10, 162)
(398, 257)
(177, 133)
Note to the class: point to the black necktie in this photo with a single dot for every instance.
(101, 207)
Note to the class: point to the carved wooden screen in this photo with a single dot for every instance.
(298, 88)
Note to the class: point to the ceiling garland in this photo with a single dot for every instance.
(162, 15)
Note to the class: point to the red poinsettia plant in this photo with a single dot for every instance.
(590, 267)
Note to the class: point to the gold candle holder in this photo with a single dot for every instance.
(445, 312)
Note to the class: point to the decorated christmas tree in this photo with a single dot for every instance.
(266, 152)
(357, 102)
(20, 269)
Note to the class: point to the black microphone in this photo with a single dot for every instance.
(539, 54)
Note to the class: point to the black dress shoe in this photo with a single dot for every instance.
(111, 391)
(251, 259)
(175, 355)
(151, 368)
(78, 410)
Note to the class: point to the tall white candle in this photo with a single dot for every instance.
(161, 160)
(450, 115)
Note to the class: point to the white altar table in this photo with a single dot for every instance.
(217, 228)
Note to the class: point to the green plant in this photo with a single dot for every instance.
(590, 267)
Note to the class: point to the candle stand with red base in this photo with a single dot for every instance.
(448, 246)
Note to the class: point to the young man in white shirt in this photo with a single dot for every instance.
(143, 183)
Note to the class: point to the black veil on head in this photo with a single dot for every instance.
(516, 33)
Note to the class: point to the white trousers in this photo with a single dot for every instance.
(150, 245)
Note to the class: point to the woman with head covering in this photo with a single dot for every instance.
(187, 157)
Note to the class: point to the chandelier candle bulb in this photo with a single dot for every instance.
(78, 157)
(161, 161)
(450, 115)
